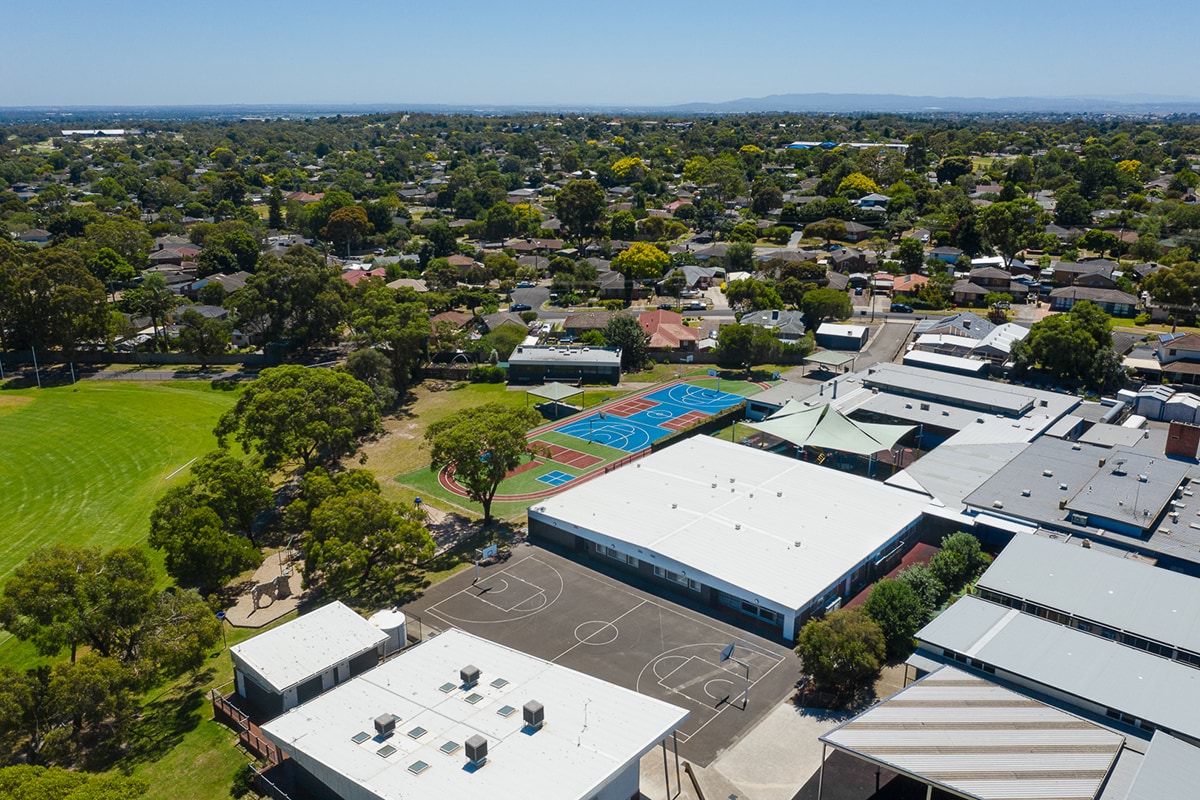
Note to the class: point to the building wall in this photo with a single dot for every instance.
(534, 372)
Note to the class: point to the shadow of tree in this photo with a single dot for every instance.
(160, 727)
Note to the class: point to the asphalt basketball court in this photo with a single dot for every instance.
(552, 607)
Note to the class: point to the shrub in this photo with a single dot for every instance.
(921, 579)
(844, 651)
(899, 611)
(488, 374)
(959, 562)
(1142, 319)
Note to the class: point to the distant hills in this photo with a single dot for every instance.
(808, 103)
(821, 102)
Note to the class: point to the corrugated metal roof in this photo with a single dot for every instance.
(971, 736)
(1118, 592)
(1167, 771)
(1041, 653)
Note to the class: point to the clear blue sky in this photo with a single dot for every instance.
(581, 51)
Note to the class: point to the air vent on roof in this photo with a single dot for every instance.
(385, 725)
(1047, 473)
(737, 526)
(779, 494)
(1062, 486)
(1086, 544)
(997, 504)
(469, 675)
(534, 714)
(1025, 493)
(1143, 478)
(714, 486)
(476, 748)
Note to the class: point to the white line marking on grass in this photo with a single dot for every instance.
(181, 469)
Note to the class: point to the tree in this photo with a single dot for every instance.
(293, 413)
(200, 550)
(127, 237)
(765, 198)
(397, 325)
(346, 227)
(842, 652)
(50, 299)
(741, 256)
(1100, 241)
(899, 611)
(154, 300)
(827, 229)
(1010, 226)
(1177, 285)
(482, 445)
(960, 561)
(275, 209)
(62, 598)
(25, 782)
(1068, 346)
(625, 332)
(375, 370)
(744, 346)
(751, 294)
(922, 581)
(298, 298)
(641, 262)
(623, 225)
(203, 336)
(501, 221)
(911, 255)
(820, 305)
(857, 184)
(359, 541)
(580, 207)
(1071, 209)
(110, 268)
(951, 168)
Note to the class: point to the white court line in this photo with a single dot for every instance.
(181, 469)
(612, 622)
(454, 621)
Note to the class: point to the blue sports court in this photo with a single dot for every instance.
(634, 424)
(556, 478)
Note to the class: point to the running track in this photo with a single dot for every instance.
(446, 475)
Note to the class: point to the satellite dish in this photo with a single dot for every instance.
(727, 652)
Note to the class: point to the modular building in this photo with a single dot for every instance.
(289, 665)
(458, 716)
(770, 537)
(833, 336)
(534, 365)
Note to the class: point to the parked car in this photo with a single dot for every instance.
(697, 305)
(666, 306)
(520, 307)
(901, 308)
(524, 285)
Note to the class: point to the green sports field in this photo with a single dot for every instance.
(84, 464)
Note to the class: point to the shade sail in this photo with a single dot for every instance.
(826, 427)
(554, 391)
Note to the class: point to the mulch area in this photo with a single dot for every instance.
(919, 554)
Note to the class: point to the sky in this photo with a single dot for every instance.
(611, 52)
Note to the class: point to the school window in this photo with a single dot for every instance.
(675, 577)
(616, 555)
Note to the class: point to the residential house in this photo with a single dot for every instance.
(1180, 359)
(459, 319)
(946, 253)
(696, 277)
(356, 276)
(837, 280)
(578, 324)
(1068, 273)
(857, 232)
(908, 284)
(667, 331)
(787, 325)
(174, 255)
(873, 200)
(518, 196)
(612, 287)
(964, 323)
(1113, 301)
(230, 283)
(847, 259)
(492, 322)
(967, 293)
(303, 198)
(416, 284)
(994, 279)
(34, 236)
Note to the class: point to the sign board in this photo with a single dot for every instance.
(490, 551)
(712, 373)
(690, 359)
(727, 653)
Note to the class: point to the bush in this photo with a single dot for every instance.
(842, 652)
(612, 305)
(921, 579)
(528, 316)
(486, 373)
(899, 611)
(1142, 319)
(959, 562)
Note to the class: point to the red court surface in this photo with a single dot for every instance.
(524, 467)
(685, 421)
(568, 457)
(628, 408)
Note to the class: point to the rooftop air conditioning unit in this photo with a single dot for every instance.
(997, 504)
(1143, 478)
(476, 749)
(534, 714)
(385, 725)
(469, 675)
(1025, 493)
(1047, 473)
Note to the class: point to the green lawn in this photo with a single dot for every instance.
(83, 464)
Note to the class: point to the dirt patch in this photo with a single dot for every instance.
(12, 401)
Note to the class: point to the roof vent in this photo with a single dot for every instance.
(385, 725)
(737, 526)
(534, 714)
(1086, 544)
(714, 486)
(1062, 486)
(1025, 493)
(1102, 461)
(476, 748)
(997, 504)
(674, 505)
(469, 675)
(1062, 503)
(1047, 473)
(1143, 478)
(779, 494)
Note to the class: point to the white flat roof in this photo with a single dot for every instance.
(929, 360)
(731, 515)
(1118, 592)
(593, 729)
(584, 356)
(958, 731)
(308, 645)
(836, 329)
